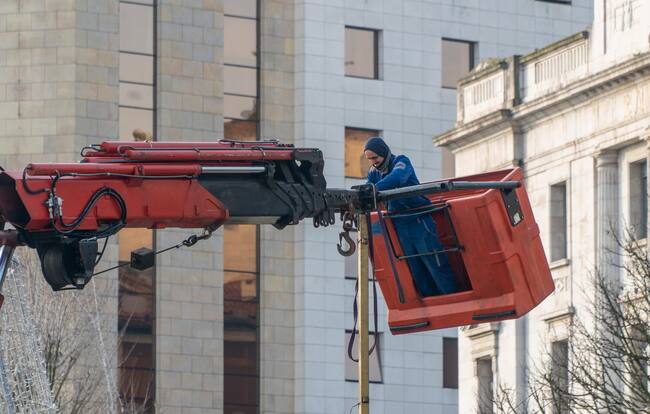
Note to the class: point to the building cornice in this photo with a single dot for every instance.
(555, 102)
(475, 130)
(559, 45)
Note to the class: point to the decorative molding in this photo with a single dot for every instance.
(559, 263)
(606, 157)
(559, 314)
(572, 94)
(478, 330)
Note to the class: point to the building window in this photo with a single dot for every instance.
(240, 72)
(361, 53)
(457, 61)
(639, 199)
(352, 368)
(558, 231)
(560, 376)
(637, 361)
(136, 291)
(556, 1)
(356, 164)
(485, 386)
(240, 308)
(241, 242)
(450, 363)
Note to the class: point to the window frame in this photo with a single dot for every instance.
(445, 376)
(637, 165)
(551, 229)
(472, 58)
(376, 40)
(480, 401)
(563, 372)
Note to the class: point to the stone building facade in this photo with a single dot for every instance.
(76, 72)
(575, 115)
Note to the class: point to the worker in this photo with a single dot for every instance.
(417, 234)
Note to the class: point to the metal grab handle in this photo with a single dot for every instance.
(444, 186)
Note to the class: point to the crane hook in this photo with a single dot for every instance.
(352, 247)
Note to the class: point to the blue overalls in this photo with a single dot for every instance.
(431, 273)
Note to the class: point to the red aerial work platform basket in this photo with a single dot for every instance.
(494, 249)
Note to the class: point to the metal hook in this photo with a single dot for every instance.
(352, 247)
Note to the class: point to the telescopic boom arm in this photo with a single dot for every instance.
(63, 209)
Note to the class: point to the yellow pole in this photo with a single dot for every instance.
(364, 397)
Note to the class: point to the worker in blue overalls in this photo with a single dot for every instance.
(417, 234)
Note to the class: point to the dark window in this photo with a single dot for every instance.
(556, 1)
(485, 386)
(136, 28)
(457, 61)
(356, 164)
(361, 53)
(240, 374)
(136, 374)
(352, 368)
(240, 41)
(240, 310)
(135, 320)
(560, 376)
(639, 199)
(637, 361)
(450, 363)
(558, 210)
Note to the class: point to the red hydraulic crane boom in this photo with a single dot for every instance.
(63, 210)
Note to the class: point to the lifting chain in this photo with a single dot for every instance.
(350, 224)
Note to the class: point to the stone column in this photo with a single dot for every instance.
(647, 166)
(189, 282)
(607, 213)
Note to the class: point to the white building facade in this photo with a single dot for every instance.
(575, 116)
(323, 74)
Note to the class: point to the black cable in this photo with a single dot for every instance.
(188, 242)
(26, 187)
(101, 254)
(70, 227)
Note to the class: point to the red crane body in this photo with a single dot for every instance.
(485, 221)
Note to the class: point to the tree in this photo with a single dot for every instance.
(56, 358)
(604, 368)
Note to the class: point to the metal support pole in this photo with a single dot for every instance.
(362, 300)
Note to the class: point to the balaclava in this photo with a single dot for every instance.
(379, 147)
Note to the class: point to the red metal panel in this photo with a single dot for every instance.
(123, 168)
(150, 203)
(502, 268)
